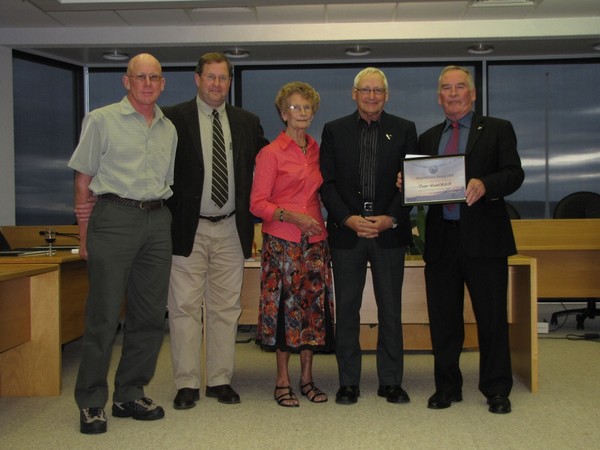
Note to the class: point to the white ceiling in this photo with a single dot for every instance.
(177, 32)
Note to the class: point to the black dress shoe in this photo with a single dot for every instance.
(186, 398)
(441, 400)
(224, 393)
(393, 394)
(347, 395)
(498, 404)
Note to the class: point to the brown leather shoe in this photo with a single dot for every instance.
(224, 393)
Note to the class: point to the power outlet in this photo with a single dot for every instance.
(542, 327)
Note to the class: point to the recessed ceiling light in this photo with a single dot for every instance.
(480, 49)
(236, 53)
(358, 50)
(115, 55)
(596, 47)
(492, 3)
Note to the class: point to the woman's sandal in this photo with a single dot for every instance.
(287, 397)
(318, 396)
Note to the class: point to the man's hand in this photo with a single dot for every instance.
(399, 181)
(368, 227)
(83, 211)
(475, 190)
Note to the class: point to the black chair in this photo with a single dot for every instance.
(578, 205)
(513, 213)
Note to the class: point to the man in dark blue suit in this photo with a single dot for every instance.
(469, 243)
(367, 224)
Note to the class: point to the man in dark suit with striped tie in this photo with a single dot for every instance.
(212, 230)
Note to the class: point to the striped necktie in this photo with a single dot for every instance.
(220, 188)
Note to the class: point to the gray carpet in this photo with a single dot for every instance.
(565, 414)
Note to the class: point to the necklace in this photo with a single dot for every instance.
(303, 148)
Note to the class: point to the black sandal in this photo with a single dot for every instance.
(286, 397)
(315, 390)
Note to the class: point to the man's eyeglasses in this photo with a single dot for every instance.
(368, 91)
(212, 78)
(142, 77)
(300, 108)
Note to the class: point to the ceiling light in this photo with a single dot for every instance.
(480, 49)
(115, 55)
(236, 53)
(477, 3)
(358, 50)
(596, 47)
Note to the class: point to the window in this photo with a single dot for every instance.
(555, 109)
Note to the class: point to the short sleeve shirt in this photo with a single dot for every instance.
(125, 156)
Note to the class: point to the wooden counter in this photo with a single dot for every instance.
(567, 253)
(522, 312)
(72, 273)
(30, 353)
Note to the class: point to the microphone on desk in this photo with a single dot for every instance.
(73, 235)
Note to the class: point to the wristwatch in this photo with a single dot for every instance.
(394, 222)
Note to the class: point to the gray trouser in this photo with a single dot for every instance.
(129, 253)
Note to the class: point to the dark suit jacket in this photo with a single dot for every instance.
(491, 156)
(247, 139)
(341, 190)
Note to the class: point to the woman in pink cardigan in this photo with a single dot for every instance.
(296, 298)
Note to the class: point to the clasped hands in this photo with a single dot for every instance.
(368, 227)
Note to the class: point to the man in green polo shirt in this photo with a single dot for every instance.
(124, 164)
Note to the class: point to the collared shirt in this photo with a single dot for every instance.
(367, 145)
(463, 128)
(205, 115)
(284, 177)
(125, 156)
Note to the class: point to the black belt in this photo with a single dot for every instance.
(144, 204)
(452, 223)
(215, 219)
(367, 209)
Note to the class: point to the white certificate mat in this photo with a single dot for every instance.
(435, 179)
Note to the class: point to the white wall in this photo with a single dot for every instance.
(7, 141)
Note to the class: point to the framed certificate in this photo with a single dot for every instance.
(433, 179)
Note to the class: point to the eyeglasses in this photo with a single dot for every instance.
(212, 78)
(300, 108)
(142, 77)
(368, 91)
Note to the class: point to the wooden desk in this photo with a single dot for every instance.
(30, 361)
(29, 236)
(72, 272)
(567, 253)
(522, 312)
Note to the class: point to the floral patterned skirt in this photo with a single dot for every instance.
(296, 296)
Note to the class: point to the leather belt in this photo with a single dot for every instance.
(452, 223)
(143, 204)
(215, 219)
(367, 209)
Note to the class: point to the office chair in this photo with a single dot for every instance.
(578, 205)
(513, 213)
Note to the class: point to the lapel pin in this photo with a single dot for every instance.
(388, 136)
